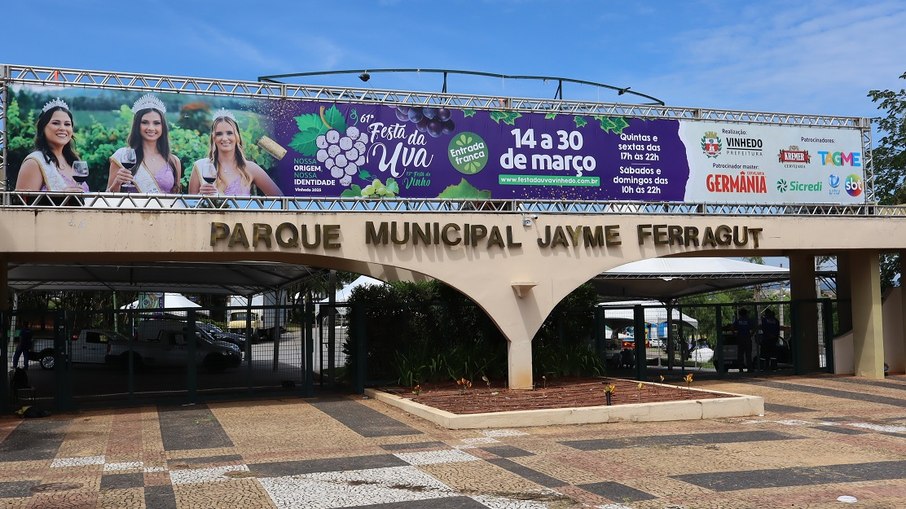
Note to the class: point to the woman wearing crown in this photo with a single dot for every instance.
(49, 167)
(235, 174)
(157, 170)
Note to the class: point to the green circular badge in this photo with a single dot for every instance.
(468, 153)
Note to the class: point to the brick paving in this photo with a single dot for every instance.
(821, 438)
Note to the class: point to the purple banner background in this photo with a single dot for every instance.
(429, 153)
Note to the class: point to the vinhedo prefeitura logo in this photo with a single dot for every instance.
(711, 144)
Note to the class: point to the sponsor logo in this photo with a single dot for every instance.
(752, 147)
(834, 182)
(840, 158)
(711, 144)
(853, 185)
(784, 186)
(742, 183)
(794, 157)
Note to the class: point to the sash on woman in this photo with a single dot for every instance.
(53, 179)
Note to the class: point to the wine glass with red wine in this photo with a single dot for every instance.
(80, 172)
(128, 162)
(209, 172)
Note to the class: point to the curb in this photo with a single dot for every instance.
(735, 405)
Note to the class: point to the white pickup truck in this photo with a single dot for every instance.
(89, 346)
(159, 343)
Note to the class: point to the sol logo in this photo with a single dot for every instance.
(853, 185)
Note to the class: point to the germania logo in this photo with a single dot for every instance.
(711, 144)
(853, 185)
(742, 183)
(794, 157)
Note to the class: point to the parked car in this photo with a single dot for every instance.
(163, 343)
(222, 335)
(90, 346)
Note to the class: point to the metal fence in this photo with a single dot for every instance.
(132, 356)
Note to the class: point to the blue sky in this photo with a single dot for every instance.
(810, 56)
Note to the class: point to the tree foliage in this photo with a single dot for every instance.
(890, 163)
(429, 332)
(889, 155)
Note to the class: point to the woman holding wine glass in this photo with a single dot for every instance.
(50, 166)
(226, 171)
(146, 165)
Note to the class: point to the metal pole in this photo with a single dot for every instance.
(600, 349)
(4, 361)
(308, 322)
(641, 360)
(358, 318)
(191, 366)
(828, 314)
(719, 342)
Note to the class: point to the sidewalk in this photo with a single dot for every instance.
(821, 438)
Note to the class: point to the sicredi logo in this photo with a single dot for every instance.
(853, 185)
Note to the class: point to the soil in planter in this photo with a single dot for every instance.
(559, 393)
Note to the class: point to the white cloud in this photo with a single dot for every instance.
(819, 57)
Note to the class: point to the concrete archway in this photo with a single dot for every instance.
(516, 267)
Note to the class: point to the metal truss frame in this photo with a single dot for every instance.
(282, 204)
(37, 75)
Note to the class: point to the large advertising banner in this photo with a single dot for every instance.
(377, 151)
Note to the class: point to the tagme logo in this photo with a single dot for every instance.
(782, 185)
(853, 185)
(711, 144)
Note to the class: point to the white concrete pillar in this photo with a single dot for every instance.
(519, 364)
(868, 330)
(803, 294)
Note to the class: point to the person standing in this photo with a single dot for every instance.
(743, 327)
(24, 347)
(770, 335)
(49, 167)
(156, 170)
(235, 175)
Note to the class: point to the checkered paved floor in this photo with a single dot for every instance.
(823, 439)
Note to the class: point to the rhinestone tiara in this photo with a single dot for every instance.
(148, 101)
(222, 113)
(53, 104)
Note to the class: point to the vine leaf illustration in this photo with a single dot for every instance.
(507, 117)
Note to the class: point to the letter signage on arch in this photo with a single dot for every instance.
(374, 150)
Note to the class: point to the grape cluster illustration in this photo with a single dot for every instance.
(434, 121)
(342, 154)
(377, 189)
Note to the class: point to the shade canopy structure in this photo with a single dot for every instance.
(670, 278)
(620, 314)
(217, 278)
